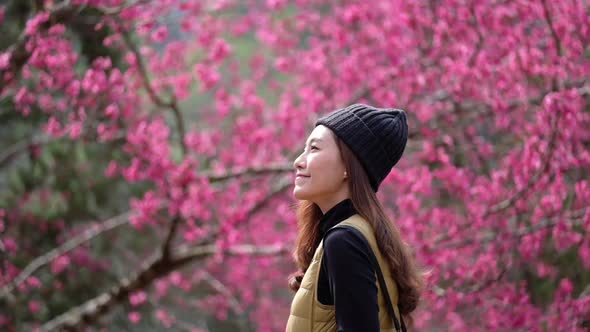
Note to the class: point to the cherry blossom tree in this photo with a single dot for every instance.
(148, 146)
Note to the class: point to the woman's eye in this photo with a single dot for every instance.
(314, 148)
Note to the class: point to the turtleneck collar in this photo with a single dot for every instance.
(336, 214)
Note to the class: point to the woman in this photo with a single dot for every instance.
(345, 237)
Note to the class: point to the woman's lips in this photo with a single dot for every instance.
(301, 177)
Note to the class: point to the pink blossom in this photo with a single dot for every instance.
(131, 59)
(134, 317)
(584, 252)
(105, 132)
(566, 286)
(582, 189)
(132, 172)
(192, 7)
(23, 97)
(208, 76)
(75, 129)
(222, 102)
(137, 298)
(175, 278)
(34, 282)
(10, 244)
(145, 210)
(165, 318)
(34, 23)
(53, 127)
(544, 270)
(202, 143)
(94, 81)
(161, 288)
(34, 307)
(565, 237)
(111, 169)
(60, 264)
(4, 60)
(275, 4)
(282, 64)
(219, 51)
(57, 29)
(102, 63)
(159, 34)
(182, 85)
(73, 88)
(112, 111)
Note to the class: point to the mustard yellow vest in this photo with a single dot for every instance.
(309, 315)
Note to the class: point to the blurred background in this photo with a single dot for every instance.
(146, 153)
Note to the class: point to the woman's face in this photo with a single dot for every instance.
(320, 171)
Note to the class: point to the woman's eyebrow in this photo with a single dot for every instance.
(314, 140)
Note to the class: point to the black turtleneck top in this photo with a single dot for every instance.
(347, 277)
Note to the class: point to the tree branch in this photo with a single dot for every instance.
(489, 282)
(556, 41)
(554, 35)
(480, 40)
(159, 266)
(218, 286)
(532, 180)
(478, 287)
(156, 99)
(166, 245)
(66, 247)
(575, 218)
(110, 11)
(109, 224)
(249, 171)
(12, 151)
(213, 178)
(505, 204)
(90, 311)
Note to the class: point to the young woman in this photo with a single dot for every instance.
(349, 253)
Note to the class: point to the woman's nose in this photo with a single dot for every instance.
(299, 162)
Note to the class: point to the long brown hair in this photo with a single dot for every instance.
(408, 277)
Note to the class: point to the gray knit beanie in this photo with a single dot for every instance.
(376, 136)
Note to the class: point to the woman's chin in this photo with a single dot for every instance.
(299, 194)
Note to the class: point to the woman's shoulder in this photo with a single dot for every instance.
(354, 222)
(342, 239)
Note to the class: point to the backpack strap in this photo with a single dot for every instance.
(398, 327)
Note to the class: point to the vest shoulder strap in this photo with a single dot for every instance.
(358, 225)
